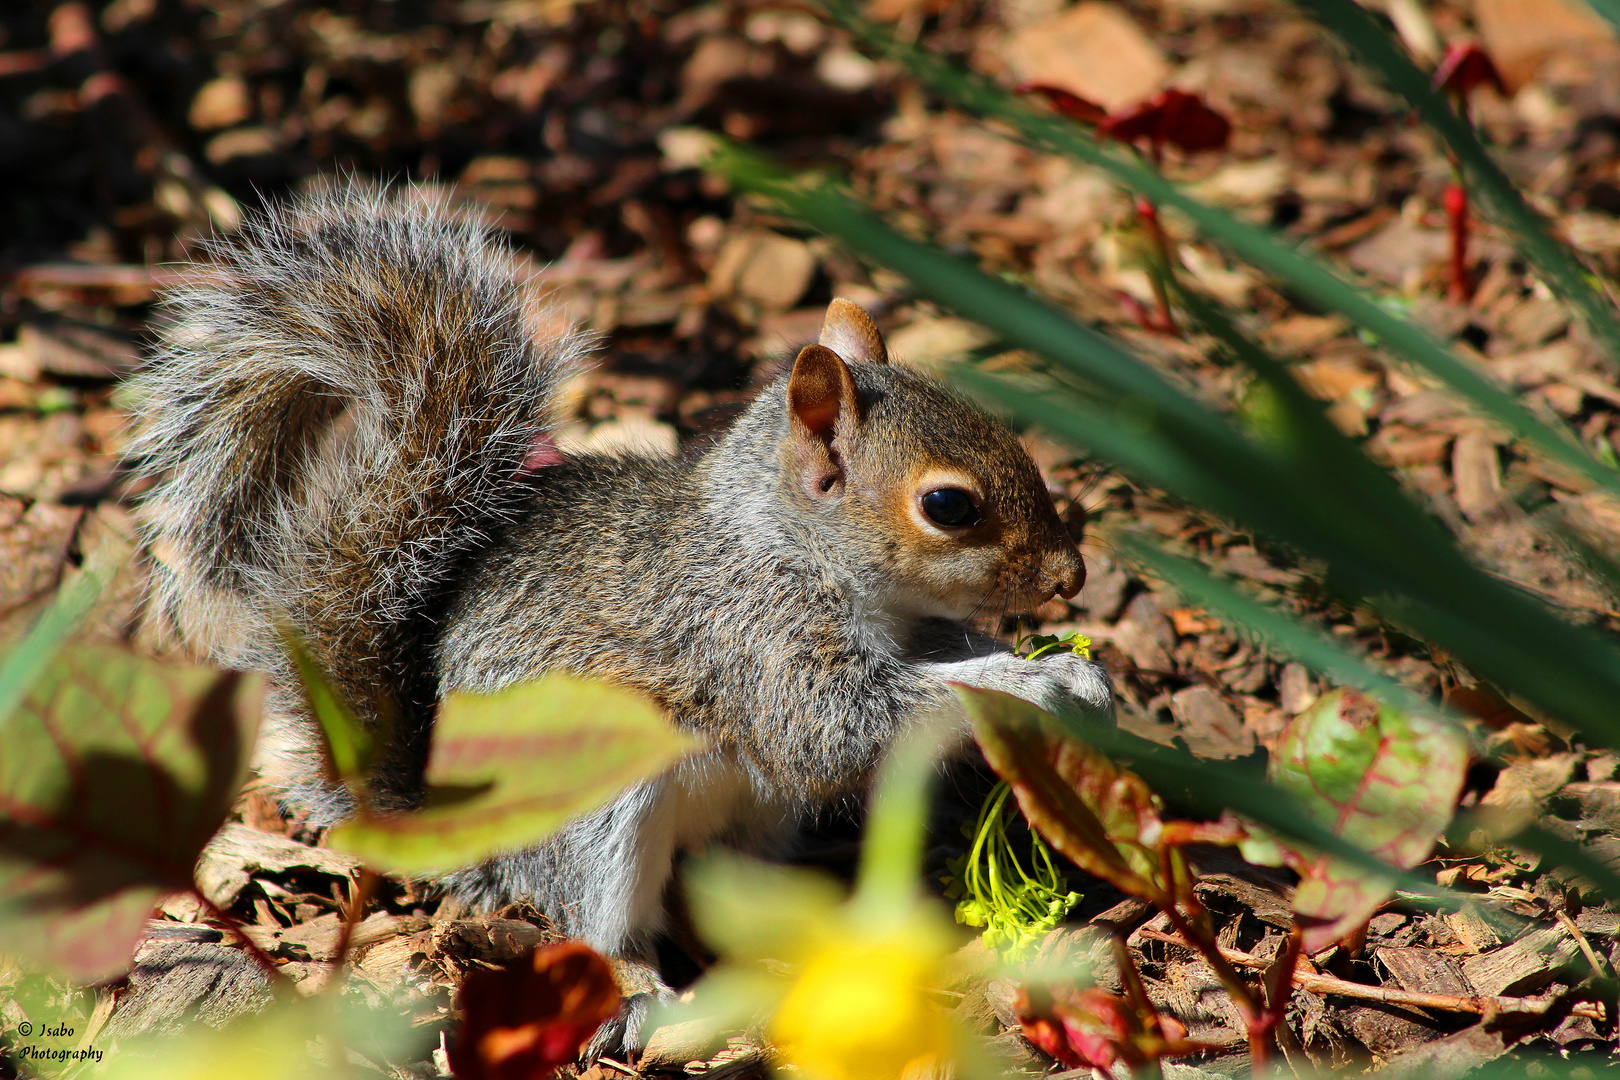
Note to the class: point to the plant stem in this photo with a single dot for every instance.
(1149, 215)
(1254, 1020)
(358, 898)
(1461, 289)
(1194, 933)
(271, 969)
(1136, 994)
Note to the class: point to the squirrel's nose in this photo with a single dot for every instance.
(1067, 572)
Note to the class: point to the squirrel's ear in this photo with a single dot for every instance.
(820, 391)
(850, 332)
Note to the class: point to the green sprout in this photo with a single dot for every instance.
(989, 884)
(1016, 907)
(1041, 644)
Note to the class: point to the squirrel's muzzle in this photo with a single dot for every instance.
(1064, 573)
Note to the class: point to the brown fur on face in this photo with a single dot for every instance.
(869, 440)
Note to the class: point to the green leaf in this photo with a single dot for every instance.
(114, 773)
(27, 661)
(351, 750)
(1102, 817)
(1386, 780)
(321, 1037)
(1570, 857)
(510, 768)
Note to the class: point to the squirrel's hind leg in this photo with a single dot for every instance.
(602, 878)
(625, 1032)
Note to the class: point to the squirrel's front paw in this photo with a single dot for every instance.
(1062, 682)
(1058, 683)
(1084, 681)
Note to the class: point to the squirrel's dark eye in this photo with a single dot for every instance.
(950, 507)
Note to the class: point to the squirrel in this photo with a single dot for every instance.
(350, 420)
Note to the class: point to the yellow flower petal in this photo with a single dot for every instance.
(859, 1010)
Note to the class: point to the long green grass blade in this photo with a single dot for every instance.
(1258, 246)
(1568, 855)
(1497, 631)
(1281, 633)
(1436, 586)
(1609, 9)
(1387, 520)
(1501, 199)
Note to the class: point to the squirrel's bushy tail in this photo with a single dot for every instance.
(340, 411)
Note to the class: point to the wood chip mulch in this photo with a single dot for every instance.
(130, 130)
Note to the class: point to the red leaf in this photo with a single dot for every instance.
(1170, 116)
(1073, 106)
(1100, 816)
(530, 1018)
(1088, 1028)
(1465, 67)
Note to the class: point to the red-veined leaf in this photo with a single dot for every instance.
(114, 773)
(1100, 816)
(507, 769)
(1384, 780)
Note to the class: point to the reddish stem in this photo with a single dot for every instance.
(358, 899)
(1195, 932)
(271, 969)
(1147, 1014)
(1149, 215)
(1139, 311)
(1461, 289)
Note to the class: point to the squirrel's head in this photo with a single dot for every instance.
(938, 497)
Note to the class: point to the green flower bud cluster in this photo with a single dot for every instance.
(1040, 645)
(1016, 907)
(992, 889)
